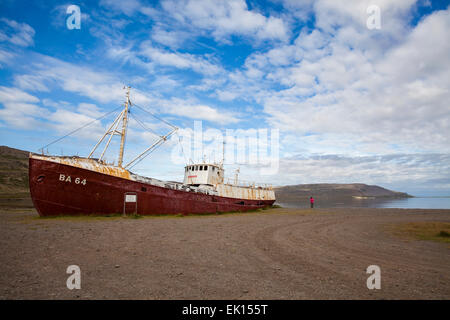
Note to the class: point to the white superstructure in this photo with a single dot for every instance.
(211, 176)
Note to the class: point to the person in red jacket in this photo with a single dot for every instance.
(311, 201)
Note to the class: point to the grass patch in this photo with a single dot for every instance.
(444, 234)
(299, 211)
(103, 217)
(15, 195)
(81, 217)
(434, 231)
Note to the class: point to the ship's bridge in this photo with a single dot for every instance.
(203, 173)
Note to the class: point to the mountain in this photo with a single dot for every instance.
(14, 182)
(13, 171)
(327, 192)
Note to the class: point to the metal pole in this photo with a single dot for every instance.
(124, 128)
(223, 152)
(151, 147)
(111, 133)
(109, 129)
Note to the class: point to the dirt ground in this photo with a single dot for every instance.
(272, 254)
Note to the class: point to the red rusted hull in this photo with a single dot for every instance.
(105, 194)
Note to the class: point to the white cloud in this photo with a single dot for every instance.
(105, 88)
(332, 15)
(194, 110)
(225, 18)
(225, 95)
(399, 171)
(20, 111)
(65, 121)
(339, 88)
(59, 16)
(30, 82)
(90, 110)
(195, 17)
(20, 34)
(178, 60)
(57, 104)
(19, 108)
(301, 10)
(128, 7)
(173, 39)
(46, 71)
(14, 94)
(5, 57)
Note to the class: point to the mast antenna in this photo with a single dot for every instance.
(223, 152)
(124, 126)
(113, 130)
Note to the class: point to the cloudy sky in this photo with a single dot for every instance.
(351, 103)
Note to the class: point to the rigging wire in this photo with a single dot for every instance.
(181, 146)
(155, 116)
(82, 127)
(149, 152)
(160, 119)
(137, 120)
(152, 131)
(143, 125)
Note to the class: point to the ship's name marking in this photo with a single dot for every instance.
(64, 178)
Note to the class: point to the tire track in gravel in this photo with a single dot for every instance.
(321, 248)
(306, 260)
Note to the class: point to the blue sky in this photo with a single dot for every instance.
(351, 104)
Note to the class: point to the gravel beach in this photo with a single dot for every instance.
(270, 254)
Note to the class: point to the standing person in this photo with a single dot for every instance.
(311, 201)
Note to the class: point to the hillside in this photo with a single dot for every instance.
(13, 171)
(327, 192)
(14, 183)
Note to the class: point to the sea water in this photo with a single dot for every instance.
(409, 203)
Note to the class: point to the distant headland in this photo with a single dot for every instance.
(332, 191)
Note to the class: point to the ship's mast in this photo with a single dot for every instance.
(223, 153)
(124, 127)
(112, 130)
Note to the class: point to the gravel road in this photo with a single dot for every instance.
(272, 254)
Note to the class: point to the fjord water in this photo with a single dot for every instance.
(407, 203)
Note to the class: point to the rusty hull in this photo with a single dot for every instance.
(68, 186)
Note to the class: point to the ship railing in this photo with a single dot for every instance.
(247, 184)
